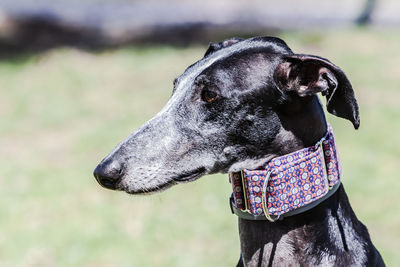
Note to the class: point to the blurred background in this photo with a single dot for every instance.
(78, 76)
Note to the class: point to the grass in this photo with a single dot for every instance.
(64, 110)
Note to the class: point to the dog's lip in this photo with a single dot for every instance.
(181, 178)
(190, 175)
(151, 191)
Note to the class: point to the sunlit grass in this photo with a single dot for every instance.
(62, 111)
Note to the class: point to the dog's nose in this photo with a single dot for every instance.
(108, 173)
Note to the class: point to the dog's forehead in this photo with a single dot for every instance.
(193, 71)
(184, 82)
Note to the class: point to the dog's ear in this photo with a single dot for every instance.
(308, 75)
(217, 46)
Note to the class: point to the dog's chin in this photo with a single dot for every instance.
(148, 190)
(178, 179)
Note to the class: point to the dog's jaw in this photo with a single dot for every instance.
(150, 184)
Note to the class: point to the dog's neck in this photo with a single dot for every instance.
(305, 121)
(263, 242)
(310, 238)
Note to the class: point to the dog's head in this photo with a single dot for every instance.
(243, 103)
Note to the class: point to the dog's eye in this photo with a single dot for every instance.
(208, 95)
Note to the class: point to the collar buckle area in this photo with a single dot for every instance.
(269, 217)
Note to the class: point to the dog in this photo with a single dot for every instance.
(246, 102)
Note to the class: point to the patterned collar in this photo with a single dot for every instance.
(289, 184)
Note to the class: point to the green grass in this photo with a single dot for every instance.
(62, 111)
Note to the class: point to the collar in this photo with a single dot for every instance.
(289, 184)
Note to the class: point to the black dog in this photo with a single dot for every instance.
(244, 103)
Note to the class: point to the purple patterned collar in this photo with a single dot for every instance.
(289, 184)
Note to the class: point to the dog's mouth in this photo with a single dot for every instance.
(181, 178)
(190, 175)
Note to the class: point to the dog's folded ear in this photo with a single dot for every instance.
(217, 46)
(308, 75)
